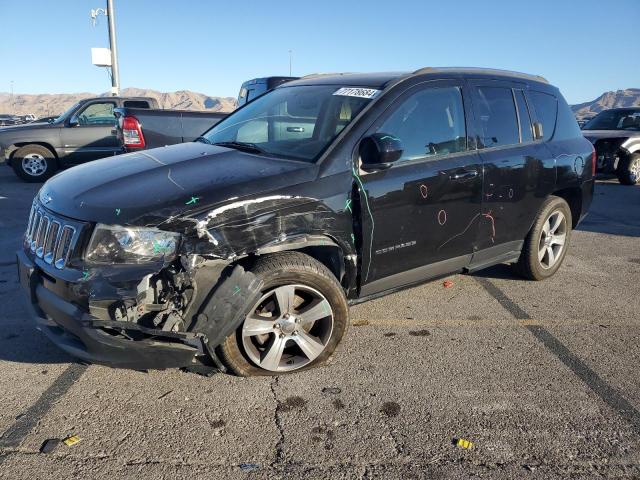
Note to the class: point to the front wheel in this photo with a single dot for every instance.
(546, 244)
(34, 163)
(296, 324)
(629, 170)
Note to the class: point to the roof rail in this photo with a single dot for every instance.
(488, 71)
(324, 74)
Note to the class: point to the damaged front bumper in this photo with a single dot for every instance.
(113, 343)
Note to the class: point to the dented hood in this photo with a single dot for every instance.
(148, 187)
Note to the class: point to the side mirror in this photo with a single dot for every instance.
(379, 151)
(538, 134)
(73, 122)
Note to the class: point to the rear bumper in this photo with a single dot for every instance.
(96, 341)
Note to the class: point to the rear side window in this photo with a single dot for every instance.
(429, 123)
(566, 125)
(546, 107)
(526, 132)
(498, 119)
(136, 104)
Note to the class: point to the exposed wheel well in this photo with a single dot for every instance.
(331, 256)
(573, 196)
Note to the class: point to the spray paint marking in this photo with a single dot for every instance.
(461, 233)
(373, 225)
(347, 205)
(85, 274)
(117, 212)
(493, 225)
(424, 191)
(442, 217)
(353, 238)
(236, 290)
(389, 137)
(193, 201)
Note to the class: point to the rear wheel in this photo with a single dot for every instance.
(296, 324)
(629, 170)
(546, 244)
(34, 163)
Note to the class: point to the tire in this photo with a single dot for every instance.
(538, 242)
(629, 169)
(243, 350)
(34, 163)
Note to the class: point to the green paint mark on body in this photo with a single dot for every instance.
(347, 205)
(85, 274)
(117, 211)
(157, 248)
(236, 290)
(193, 201)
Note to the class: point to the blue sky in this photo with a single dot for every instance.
(585, 47)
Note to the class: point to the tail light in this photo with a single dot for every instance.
(593, 161)
(132, 133)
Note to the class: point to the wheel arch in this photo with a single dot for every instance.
(12, 149)
(573, 196)
(323, 248)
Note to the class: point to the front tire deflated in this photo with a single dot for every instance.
(296, 323)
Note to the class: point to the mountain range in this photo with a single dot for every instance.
(620, 98)
(43, 105)
(54, 104)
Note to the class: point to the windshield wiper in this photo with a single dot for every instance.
(202, 140)
(242, 146)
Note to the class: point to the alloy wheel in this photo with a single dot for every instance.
(34, 164)
(288, 328)
(552, 239)
(634, 170)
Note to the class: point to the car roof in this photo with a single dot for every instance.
(622, 109)
(381, 80)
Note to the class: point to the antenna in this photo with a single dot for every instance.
(94, 14)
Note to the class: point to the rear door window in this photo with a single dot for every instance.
(429, 123)
(526, 132)
(498, 118)
(546, 107)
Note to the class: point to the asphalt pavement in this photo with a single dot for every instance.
(542, 378)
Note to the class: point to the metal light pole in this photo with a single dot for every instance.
(115, 72)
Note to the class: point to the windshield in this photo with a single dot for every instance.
(292, 122)
(67, 113)
(615, 120)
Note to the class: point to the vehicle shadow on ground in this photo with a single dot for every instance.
(598, 223)
(502, 271)
(24, 344)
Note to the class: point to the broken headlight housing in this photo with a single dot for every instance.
(131, 245)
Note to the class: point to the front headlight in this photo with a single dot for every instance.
(131, 245)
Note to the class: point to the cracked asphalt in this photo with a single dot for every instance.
(542, 378)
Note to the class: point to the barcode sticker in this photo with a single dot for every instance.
(357, 92)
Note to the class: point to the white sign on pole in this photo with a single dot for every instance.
(101, 57)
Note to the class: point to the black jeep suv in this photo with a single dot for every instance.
(244, 250)
(615, 133)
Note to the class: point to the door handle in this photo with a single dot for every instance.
(464, 174)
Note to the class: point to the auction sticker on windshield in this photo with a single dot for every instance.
(357, 92)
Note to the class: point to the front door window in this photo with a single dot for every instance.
(97, 114)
